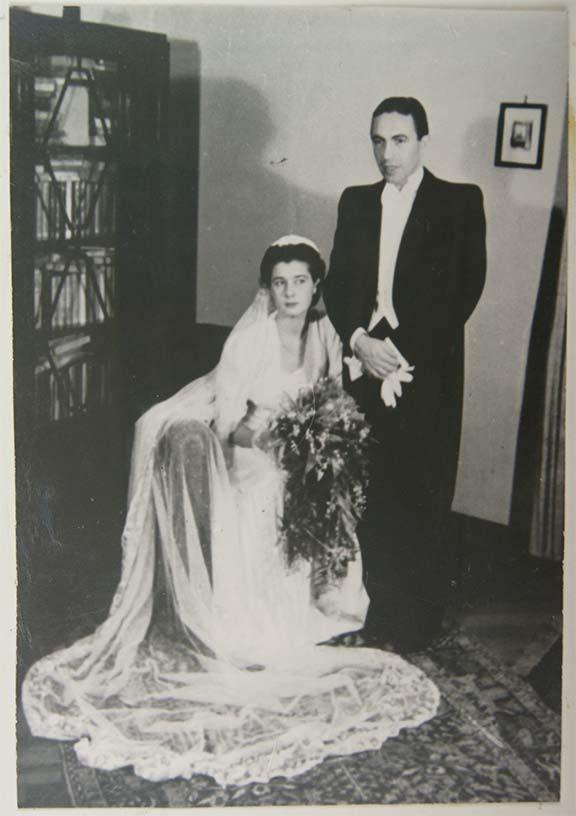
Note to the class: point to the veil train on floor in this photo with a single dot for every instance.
(166, 684)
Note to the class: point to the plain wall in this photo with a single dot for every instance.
(285, 101)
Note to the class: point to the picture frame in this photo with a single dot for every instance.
(520, 135)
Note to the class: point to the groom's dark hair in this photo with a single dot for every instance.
(407, 106)
(285, 253)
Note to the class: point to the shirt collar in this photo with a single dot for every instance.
(410, 188)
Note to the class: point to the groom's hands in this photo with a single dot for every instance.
(377, 358)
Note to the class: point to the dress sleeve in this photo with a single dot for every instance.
(245, 363)
(232, 384)
(333, 346)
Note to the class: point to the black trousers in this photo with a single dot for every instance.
(405, 538)
(408, 563)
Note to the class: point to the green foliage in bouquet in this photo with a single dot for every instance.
(321, 442)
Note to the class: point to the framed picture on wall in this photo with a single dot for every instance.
(520, 137)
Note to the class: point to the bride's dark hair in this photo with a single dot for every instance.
(284, 253)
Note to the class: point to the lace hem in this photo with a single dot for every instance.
(249, 726)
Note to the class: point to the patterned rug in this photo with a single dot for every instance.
(493, 740)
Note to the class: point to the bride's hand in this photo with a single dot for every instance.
(251, 428)
(242, 435)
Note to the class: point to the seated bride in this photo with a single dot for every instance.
(211, 659)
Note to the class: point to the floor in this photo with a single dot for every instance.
(70, 522)
(519, 625)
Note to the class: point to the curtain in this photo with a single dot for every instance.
(546, 537)
(538, 501)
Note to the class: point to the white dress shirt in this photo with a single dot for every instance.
(396, 208)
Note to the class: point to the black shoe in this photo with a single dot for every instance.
(353, 639)
(360, 638)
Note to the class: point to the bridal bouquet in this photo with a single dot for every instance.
(320, 440)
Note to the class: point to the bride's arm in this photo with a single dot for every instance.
(231, 384)
(333, 346)
(251, 430)
(239, 421)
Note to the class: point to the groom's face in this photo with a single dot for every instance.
(397, 148)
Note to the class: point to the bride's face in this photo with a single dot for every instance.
(292, 288)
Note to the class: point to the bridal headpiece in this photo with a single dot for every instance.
(293, 240)
(262, 306)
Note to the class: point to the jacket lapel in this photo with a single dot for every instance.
(372, 218)
(416, 230)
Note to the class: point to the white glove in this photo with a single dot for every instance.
(391, 387)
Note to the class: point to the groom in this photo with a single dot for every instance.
(407, 270)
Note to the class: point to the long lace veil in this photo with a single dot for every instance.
(160, 507)
(154, 686)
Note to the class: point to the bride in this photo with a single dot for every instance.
(208, 661)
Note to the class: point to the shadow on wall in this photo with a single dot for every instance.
(498, 332)
(182, 134)
(247, 200)
(166, 325)
(223, 207)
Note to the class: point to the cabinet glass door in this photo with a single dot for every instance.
(77, 111)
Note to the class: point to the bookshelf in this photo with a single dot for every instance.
(87, 105)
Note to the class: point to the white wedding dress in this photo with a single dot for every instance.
(208, 660)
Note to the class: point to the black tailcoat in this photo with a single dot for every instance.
(439, 276)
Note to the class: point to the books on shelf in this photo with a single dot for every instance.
(73, 382)
(88, 77)
(75, 291)
(65, 350)
(72, 294)
(74, 207)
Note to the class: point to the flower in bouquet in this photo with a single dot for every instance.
(321, 442)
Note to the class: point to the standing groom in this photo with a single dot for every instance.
(407, 270)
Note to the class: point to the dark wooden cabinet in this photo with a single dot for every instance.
(87, 111)
(90, 288)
